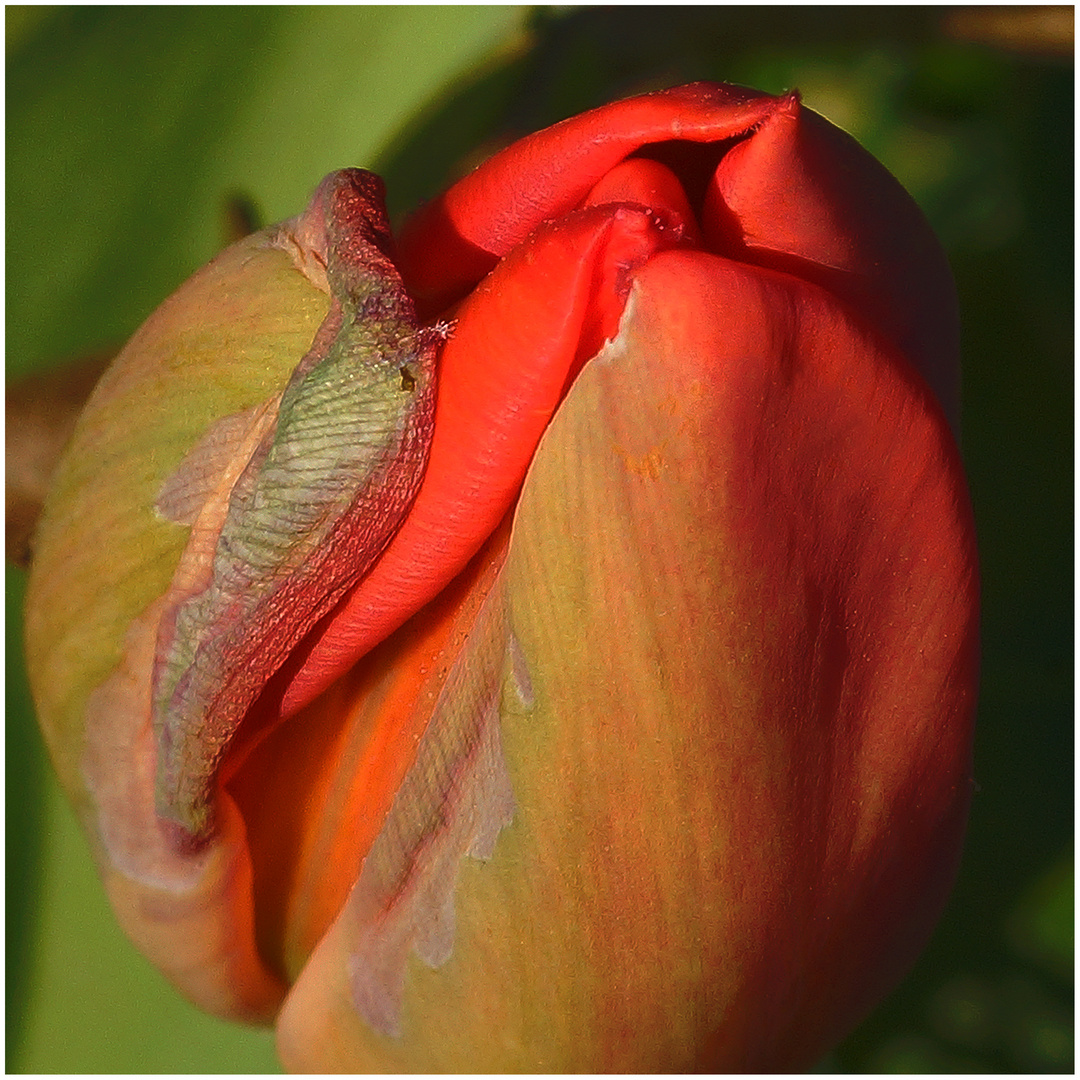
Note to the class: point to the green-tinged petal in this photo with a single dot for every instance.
(751, 603)
(104, 556)
(102, 552)
(336, 461)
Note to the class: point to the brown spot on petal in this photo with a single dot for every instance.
(648, 466)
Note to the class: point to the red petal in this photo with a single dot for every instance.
(454, 241)
(503, 372)
(651, 184)
(803, 196)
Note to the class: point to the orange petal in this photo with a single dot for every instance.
(652, 185)
(452, 242)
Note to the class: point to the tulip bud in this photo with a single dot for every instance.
(583, 685)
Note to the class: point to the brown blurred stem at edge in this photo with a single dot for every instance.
(40, 413)
(1038, 30)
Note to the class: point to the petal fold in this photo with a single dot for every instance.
(801, 195)
(305, 513)
(451, 243)
(518, 340)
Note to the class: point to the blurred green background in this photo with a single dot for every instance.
(129, 130)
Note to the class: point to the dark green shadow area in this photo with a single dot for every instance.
(146, 134)
(24, 772)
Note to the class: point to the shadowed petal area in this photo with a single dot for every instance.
(454, 800)
(190, 911)
(741, 686)
(311, 827)
(802, 195)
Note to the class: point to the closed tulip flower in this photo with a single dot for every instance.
(546, 641)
